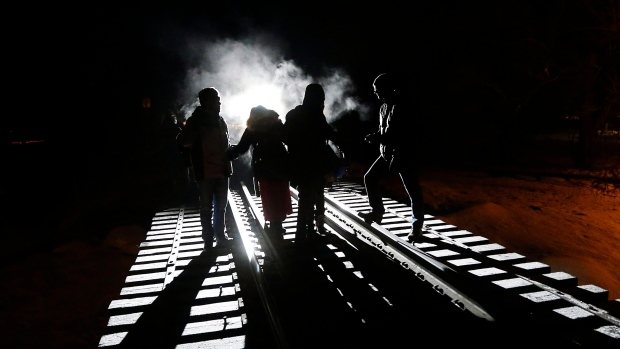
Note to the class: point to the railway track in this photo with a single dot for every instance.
(359, 286)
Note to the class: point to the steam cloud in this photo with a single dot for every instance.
(252, 72)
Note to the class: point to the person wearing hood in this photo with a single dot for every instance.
(206, 133)
(306, 134)
(263, 134)
(399, 138)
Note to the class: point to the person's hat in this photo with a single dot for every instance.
(314, 94)
(385, 80)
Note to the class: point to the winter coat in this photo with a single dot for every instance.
(206, 133)
(270, 158)
(399, 135)
(306, 133)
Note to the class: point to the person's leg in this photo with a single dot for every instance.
(276, 200)
(276, 226)
(256, 183)
(276, 231)
(411, 182)
(221, 202)
(206, 190)
(305, 207)
(193, 193)
(282, 191)
(373, 189)
(267, 198)
(319, 202)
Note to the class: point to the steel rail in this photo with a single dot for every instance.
(443, 278)
(465, 294)
(260, 218)
(467, 250)
(265, 295)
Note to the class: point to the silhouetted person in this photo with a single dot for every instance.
(269, 164)
(206, 132)
(306, 134)
(173, 161)
(399, 138)
(190, 189)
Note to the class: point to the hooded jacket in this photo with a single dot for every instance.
(399, 135)
(264, 134)
(206, 133)
(306, 133)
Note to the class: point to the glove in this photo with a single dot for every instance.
(372, 138)
(231, 152)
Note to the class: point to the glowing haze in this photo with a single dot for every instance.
(252, 72)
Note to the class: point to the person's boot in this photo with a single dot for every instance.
(372, 216)
(301, 233)
(275, 225)
(415, 235)
(207, 237)
(276, 231)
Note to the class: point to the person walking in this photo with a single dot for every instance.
(206, 133)
(399, 139)
(306, 134)
(270, 165)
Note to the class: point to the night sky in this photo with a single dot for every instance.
(483, 74)
(481, 68)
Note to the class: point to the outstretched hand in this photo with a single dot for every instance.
(231, 152)
(372, 138)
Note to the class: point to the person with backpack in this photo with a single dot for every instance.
(206, 133)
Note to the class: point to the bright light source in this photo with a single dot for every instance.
(238, 106)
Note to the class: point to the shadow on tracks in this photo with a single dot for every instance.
(163, 322)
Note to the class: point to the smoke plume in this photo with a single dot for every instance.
(254, 71)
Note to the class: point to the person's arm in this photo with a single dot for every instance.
(401, 128)
(287, 131)
(242, 147)
(398, 126)
(375, 137)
